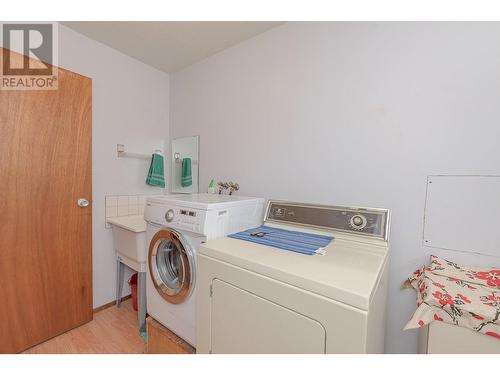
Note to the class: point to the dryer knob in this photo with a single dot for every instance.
(358, 222)
(169, 216)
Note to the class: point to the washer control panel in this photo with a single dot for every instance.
(177, 217)
(373, 222)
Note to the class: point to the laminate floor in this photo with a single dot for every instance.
(113, 331)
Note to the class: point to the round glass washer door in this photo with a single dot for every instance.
(171, 266)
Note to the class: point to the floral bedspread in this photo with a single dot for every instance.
(454, 294)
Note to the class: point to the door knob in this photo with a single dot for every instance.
(82, 202)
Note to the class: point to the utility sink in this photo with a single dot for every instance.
(129, 236)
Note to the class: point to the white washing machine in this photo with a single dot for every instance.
(254, 298)
(176, 226)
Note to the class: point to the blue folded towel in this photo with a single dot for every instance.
(299, 242)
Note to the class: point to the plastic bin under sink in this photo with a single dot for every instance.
(129, 236)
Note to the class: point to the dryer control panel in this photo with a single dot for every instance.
(373, 222)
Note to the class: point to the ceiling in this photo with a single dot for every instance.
(170, 46)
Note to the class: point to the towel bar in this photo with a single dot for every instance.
(178, 159)
(120, 152)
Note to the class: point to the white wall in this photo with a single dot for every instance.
(350, 114)
(130, 105)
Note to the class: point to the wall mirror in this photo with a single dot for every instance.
(185, 155)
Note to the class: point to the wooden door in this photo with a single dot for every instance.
(45, 236)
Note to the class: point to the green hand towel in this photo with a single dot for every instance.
(186, 178)
(156, 175)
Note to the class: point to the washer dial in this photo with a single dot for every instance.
(169, 216)
(357, 222)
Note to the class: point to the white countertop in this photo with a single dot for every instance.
(135, 223)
